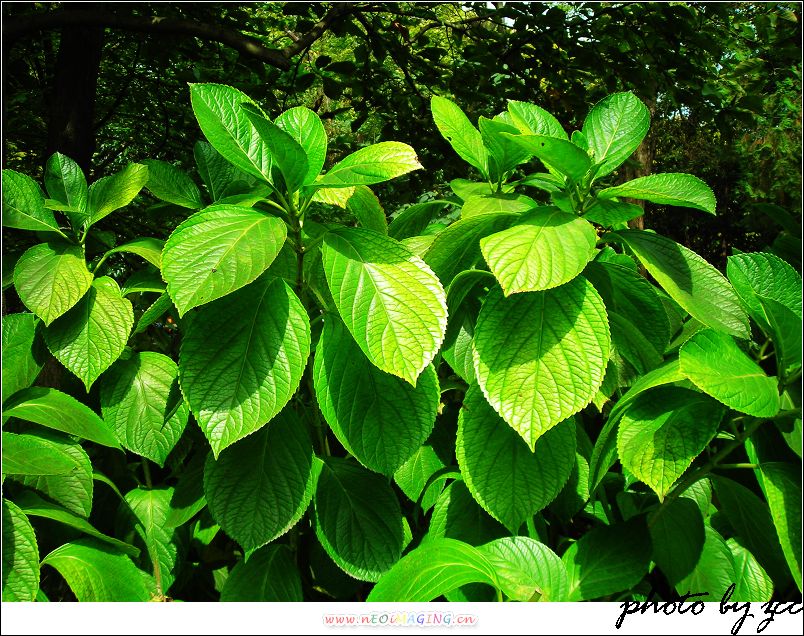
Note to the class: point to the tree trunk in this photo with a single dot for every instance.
(71, 128)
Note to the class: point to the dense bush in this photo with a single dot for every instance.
(505, 393)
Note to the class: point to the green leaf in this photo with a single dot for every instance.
(24, 206)
(391, 302)
(782, 485)
(379, 418)
(147, 511)
(73, 489)
(142, 282)
(155, 311)
(752, 582)
(92, 335)
(23, 352)
(31, 455)
(20, 555)
(366, 208)
(717, 366)
(750, 517)
(259, 488)
(714, 572)
(372, 164)
(141, 401)
(357, 519)
(551, 366)
(545, 249)
(662, 431)
(544, 181)
(464, 189)
(677, 535)
(269, 575)
(785, 329)
(689, 280)
(505, 154)
(457, 248)
(51, 277)
(556, 153)
(287, 155)
(34, 506)
(759, 276)
(413, 476)
(614, 128)
(534, 120)
(218, 251)
(54, 409)
(216, 173)
(148, 248)
(167, 183)
(413, 219)
(457, 515)
(464, 138)
(236, 383)
(226, 126)
(608, 559)
(306, 128)
(527, 570)
(65, 183)
(498, 203)
(108, 194)
(612, 213)
(511, 482)
(97, 573)
(678, 189)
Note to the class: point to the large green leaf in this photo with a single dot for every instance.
(714, 572)
(679, 189)
(505, 154)
(677, 536)
(287, 155)
(786, 333)
(108, 194)
(34, 506)
(260, 487)
(413, 219)
(238, 381)
(759, 275)
(141, 401)
(379, 418)
(23, 352)
(545, 249)
(51, 277)
(72, 489)
(54, 409)
(534, 120)
(23, 204)
(612, 213)
(20, 556)
(25, 454)
(662, 431)
(431, 570)
(413, 477)
(366, 208)
(97, 573)
(391, 302)
(717, 366)
(146, 512)
(510, 481)
(457, 515)
(689, 280)
(269, 575)
(527, 570)
(92, 335)
(167, 183)
(457, 248)
(227, 128)
(752, 582)
(148, 248)
(608, 559)
(372, 164)
(497, 203)
(555, 153)
(464, 138)
(155, 311)
(614, 128)
(551, 365)
(306, 128)
(218, 251)
(751, 520)
(357, 519)
(65, 183)
(782, 485)
(216, 173)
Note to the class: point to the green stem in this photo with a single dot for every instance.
(737, 465)
(146, 471)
